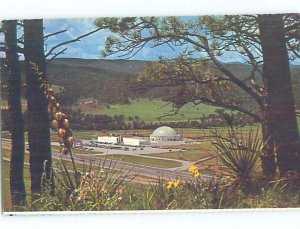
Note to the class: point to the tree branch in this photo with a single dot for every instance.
(53, 34)
(229, 106)
(70, 41)
(257, 97)
(56, 55)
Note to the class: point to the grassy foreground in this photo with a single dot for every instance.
(103, 191)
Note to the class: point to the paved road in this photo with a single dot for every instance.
(130, 168)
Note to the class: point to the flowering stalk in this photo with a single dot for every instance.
(59, 120)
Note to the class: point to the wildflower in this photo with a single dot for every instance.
(176, 184)
(193, 169)
(170, 184)
(196, 174)
(173, 184)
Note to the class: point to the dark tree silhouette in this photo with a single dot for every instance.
(38, 119)
(279, 123)
(13, 71)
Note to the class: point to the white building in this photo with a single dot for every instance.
(135, 142)
(123, 141)
(108, 140)
(164, 134)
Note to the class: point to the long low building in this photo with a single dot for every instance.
(135, 142)
(123, 141)
(108, 140)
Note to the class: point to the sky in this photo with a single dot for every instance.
(90, 47)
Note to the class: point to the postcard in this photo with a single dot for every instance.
(150, 113)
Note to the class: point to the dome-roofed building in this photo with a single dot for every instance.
(163, 134)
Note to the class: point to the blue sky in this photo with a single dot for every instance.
(90, 47)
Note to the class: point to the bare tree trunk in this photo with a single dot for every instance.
(268, 158)
(17, 186)
(38, 119)
(279, 101)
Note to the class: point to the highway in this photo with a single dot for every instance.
(127, 168)
(130, 168)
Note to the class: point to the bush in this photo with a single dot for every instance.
(239, 152)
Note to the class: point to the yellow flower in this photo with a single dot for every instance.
(196, 174)
(170, 184)
(193, 168)
(176, 184)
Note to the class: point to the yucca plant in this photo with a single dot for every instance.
(239, 152)
(94, 187)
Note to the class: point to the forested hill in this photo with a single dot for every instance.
(109, 80)
(104, 80)
(111, 66)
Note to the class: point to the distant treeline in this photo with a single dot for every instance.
(81, 121)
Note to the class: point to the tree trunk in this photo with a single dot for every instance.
(268, 158)
(17, 186)
(279, 102)
(38, 119)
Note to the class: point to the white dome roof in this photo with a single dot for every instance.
(164, 131)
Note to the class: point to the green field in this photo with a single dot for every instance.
(5, 167)
(190, 155)
(152, 110)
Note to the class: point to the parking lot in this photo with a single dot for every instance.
(93, 146)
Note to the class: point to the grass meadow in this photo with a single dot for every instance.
(151, 110)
